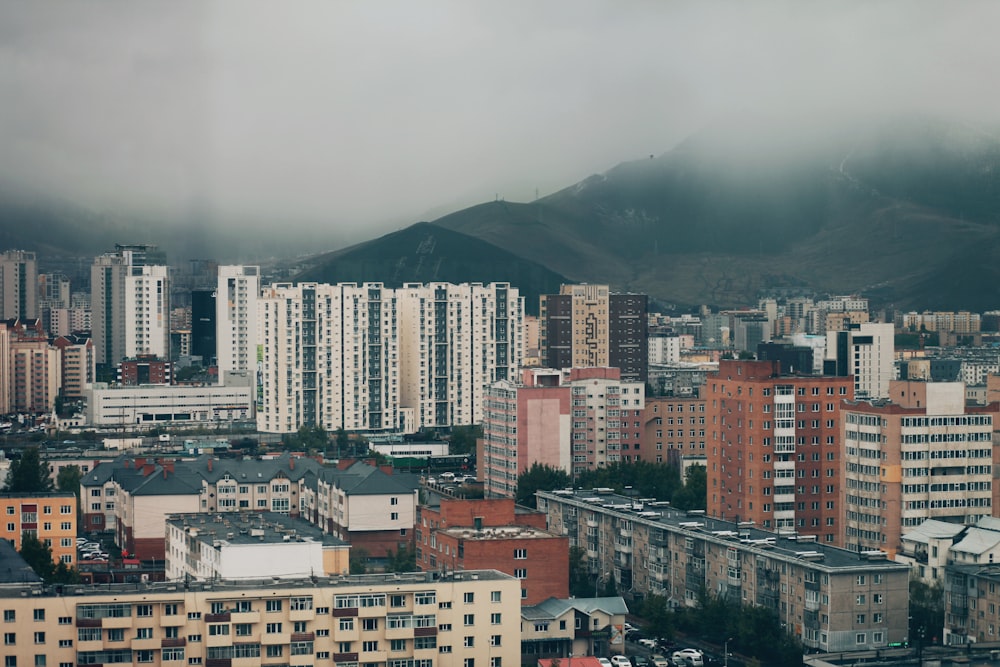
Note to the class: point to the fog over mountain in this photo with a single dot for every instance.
(334, 122)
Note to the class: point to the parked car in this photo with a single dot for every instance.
(659, 661)
(640, 661)
(605, 662)
(90, 546)
(620, 661)
(689, 656)
(648, 643)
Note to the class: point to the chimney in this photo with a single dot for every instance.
(344, 464)
(291, 463)
(387, 469)
(148, 469)
(128, 463)
(209, 464)
(169, 465)
(164, 473)
(140, 461)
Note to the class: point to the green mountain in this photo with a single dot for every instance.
(424, 253)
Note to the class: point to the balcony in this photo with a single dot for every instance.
(345, 657)
(218, 662)
(217, 618)
(303, 636)
(246, 617)
(173, 642)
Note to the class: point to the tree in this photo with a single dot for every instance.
(693, 494)
(37, 555)
(359, 561)
(64, 574)
(539, 478)
(342, 440)
(926, 610)
(307, 438)
(463, 439)
(28, 474)
(68, 480)
(403, 560)
(579, 573)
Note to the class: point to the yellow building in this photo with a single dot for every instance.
(462, 619)
(50, 516)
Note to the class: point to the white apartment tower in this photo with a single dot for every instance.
(236, 294)
(455, 340)
(330, 357)
(18, 285)
(867, 352)
(363, 356)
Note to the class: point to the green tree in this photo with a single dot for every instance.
(68, 480)
(307, 438)
(64, 574)
(37, 555)
(926, 610)
(28, 474)
(693, 494)
(359, 561)
(403, 560)
(463, 439)
(539, 478)
(343, 442)
(580, 581)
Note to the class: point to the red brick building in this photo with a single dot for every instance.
(459, 534)
(774, 452)
(145, 370)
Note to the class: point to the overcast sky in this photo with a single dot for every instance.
(371, 115)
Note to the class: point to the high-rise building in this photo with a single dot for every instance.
(236, 297)
(922, 455)
(360, 356)
(865, 351)
(29, 368)
(773, 454)
(130, 301)
(454, 340)
(18, 285)
(587, 325)
(203, 330)
(78, 365)
(53, 294)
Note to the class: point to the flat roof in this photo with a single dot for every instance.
(497, 533)
(251, 528)
(789, 547)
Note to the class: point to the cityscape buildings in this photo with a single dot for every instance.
(18, 285)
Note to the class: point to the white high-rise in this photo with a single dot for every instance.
(362, 357)
(330, 357)
(455, 340)
(236, 295)
(130, 303)
(866, 351)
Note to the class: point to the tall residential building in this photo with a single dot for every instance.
(330, 357)
(50, 517)
(236, 297)
(203, 329)
(865, 351)
(78, 365)
(587, 325)
(18, 285)
(130, 302)
(923, 455)
(774, 456)
(30, 368)
(455, 340)
(53, 294)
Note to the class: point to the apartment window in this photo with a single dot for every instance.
(39, 614)
(170, 609)
(859, 619)
(9, 639)
(144, 633)
(344, 647)
(194, 615)
(299, 626)
(495, 596)
(242, 629)
(861, 580)
(520, 554)
(8, 616)
(116, 635)
(369, 646)
(394, 516)
(346, 624)
(496, 661)
(274, 650)
(494, 640)
(469, 619)
(272, 605)
(877, 598)
(469, 598)
(469, 641)
(217, 629)
(859, 638)
(495, 619)
(369, 624)
(469, 662)
(521, 573)
(397, 600)
(272, 628)
(65, 620)
(397, 645)
(860, 599)
(877, 618)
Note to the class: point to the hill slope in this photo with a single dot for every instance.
(906, 211)
(425, 252)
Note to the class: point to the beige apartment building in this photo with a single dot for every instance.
(830, 598)
(464, 619)
(924, 454)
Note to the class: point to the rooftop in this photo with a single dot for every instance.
(250, 528)
(787, 547)
(497, 533)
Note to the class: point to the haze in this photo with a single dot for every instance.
(354, 118)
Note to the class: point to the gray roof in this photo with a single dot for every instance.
(362, 479)
(932, 529)
(555, 607)
(13, 568)
(252, 528)
(989, 523)
(977, 541)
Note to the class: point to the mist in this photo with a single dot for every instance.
(340, 121)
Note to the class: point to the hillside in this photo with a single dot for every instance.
(906, 211)
(423, 253)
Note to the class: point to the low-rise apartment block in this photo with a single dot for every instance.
(50, 517)
(402, 620)
(830, 598)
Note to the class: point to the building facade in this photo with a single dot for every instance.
(151, 405)
(401, 620)
(458, 534)
(78, 363)
(30, 368)
(18, 285)
(236, 295)
(924, 454)
(587, 325)
(830, 598)
(50, 517)
(866, 352)
(774, 456)
(674, 428)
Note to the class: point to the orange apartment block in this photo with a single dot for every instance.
(774, 453)
(51, 516)
(460, 534)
